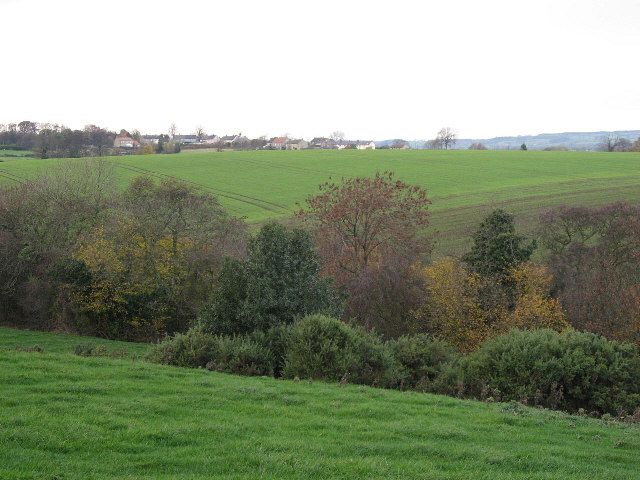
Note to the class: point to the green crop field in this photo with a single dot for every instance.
(68, 417)
(463, 185)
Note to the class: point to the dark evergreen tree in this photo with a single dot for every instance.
(279, 282)
(497, 248)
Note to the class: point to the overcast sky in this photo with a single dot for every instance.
(372, 69)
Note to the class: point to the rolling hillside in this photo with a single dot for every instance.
(463, 185)
(69, 417)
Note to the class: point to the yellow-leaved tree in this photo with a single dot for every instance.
(534, 305)
(452, 309)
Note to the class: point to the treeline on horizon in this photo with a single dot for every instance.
(349, 293)
(57, 141)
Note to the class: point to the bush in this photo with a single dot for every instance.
(324, 348)
(195, 348)
(421, 362)
(232, 354)
(276, 340)
(568, 371)
(242, 356)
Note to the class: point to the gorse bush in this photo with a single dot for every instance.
(276, 340)
(567, 371)
(195, 348)
(232, 354)
(421, 361)
(324, 348)
(241, 355)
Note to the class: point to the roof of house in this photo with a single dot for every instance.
(124, 134)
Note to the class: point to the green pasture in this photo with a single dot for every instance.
(463, 185)
(68, 417)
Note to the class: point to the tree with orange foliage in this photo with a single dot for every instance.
(365, 220)
(370, 232)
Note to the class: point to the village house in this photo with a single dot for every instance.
(125, 140)
(322, 142)
(186, 139)
(365, 145)
(277, 143)
(298, 144)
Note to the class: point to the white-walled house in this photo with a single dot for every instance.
(365, 145)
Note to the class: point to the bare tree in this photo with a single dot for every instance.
(447, 137)
(200, 133)
(477, 146)
(434, 144)
(337, 136)
(173, 131)
(614, 143)
(608, 143)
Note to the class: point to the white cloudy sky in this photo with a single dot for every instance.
(372, 69)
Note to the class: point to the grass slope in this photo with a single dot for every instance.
(463, 185)
(68, 417)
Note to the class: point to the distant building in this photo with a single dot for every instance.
(365, 145)
(297, 144)
(322, 142)
(277, 143)
(233, 141)
(186, 139)
(125, 140)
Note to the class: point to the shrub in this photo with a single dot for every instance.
(232, 354)
(195, 348)
(276, 340)
(421, 361)
(568, 371)
(324, 348)
(242, 356)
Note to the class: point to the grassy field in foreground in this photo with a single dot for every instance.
(463, 185)
(68, 417)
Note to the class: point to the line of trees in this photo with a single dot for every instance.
(52, 140)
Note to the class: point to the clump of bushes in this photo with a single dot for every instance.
(571, 371)
(237, 354)
(568, 371)
(423, 363)
(194, 349)
(240, 355)
(324, 348)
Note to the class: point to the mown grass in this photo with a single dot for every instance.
(69, 417)
(463, 185)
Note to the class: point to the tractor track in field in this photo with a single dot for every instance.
(13, 176)
(257, 202)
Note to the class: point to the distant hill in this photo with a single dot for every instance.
(570, 140)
